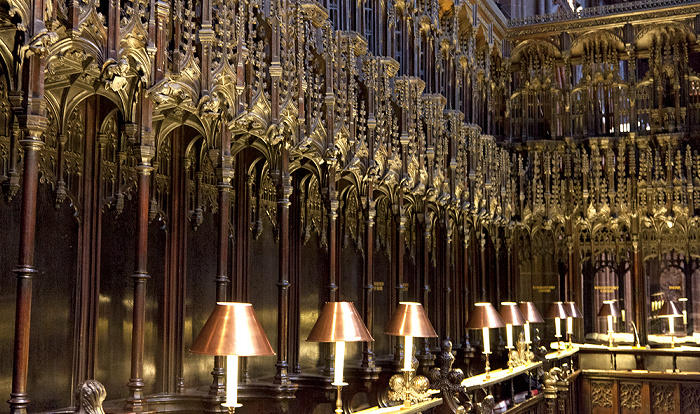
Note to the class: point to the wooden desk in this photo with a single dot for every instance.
(479, 381)
(561, 354)
(400, 409)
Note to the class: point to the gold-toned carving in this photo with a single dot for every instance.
(601, 394)
(631, 396)
(663, 398)
(690, 399)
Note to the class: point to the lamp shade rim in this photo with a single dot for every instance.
(511, 314)
(573, 310)
(232, 329)
(339, 321)
(530, 312)
(670, 310)
(484, 315)
(609, 308)
(557, 310)
(410, 318)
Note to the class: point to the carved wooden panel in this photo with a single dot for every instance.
(663, 398)
(631, 396)
(601, 394)
(690, 399)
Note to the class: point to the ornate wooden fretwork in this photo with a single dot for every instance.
(601, 394)
(631, 396)
(436, 133)
(663, 398)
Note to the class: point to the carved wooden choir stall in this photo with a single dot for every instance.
(158, 157)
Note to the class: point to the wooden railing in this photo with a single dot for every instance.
(590, 12)
(640, 380)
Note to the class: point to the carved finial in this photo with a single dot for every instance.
(89, 397)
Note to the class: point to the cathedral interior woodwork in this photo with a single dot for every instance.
(158, 157)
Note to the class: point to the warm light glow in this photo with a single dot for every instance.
(610, 325)
(231, 381)
(339, 361)
(685, 317)
(509, 335)
(557, 324)
(527, 332)
(487, 345)
(407, 352)
(569, 325)
(671, 323)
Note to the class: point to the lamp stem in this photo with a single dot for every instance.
(407, 388)
(339, 401)
(487, 367)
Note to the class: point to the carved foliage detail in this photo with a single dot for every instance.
(690, 399)
(631, 396)
(601, 394)
(662, 398)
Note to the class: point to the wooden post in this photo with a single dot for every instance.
(31, 144)
(136, 400)
(284, 193)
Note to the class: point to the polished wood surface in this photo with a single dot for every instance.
(159, 156)
(497, 376)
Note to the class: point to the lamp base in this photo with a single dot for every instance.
(338, 400)
(231, 408)
(487, 368)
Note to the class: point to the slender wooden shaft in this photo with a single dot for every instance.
(368, 291)
(25, 272)
(283, 204)
(136, 384)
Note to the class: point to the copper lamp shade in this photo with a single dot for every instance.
(484, 315)
(410, 319)
(573, 310)
(670, 309)
(557, 310)
(232, 329)
(530, 312)
(609, 308)
(510, 314)
(339, 321)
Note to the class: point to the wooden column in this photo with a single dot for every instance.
(425, 356)
(284, 192)
(482, 245)
(136, 401)
(370, 212)
(447, 270)
(639, 284)
(34, 127)
(368, 288)
(89, 236)
(175, 267)
(466, 290)
(224, 175)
